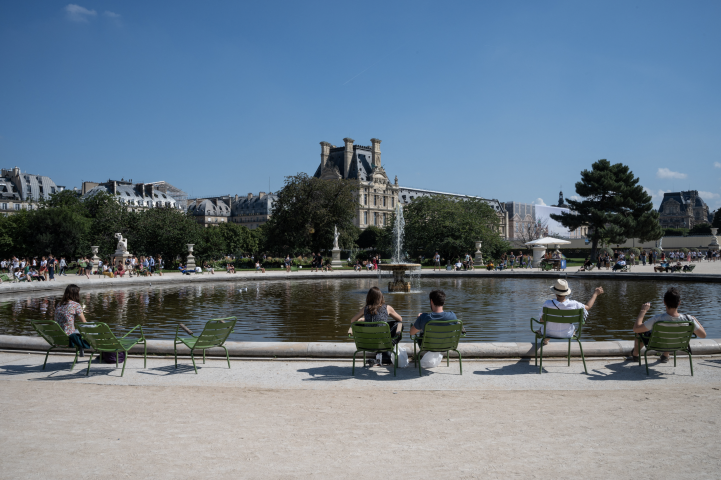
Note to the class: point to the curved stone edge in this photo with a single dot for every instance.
(706, 346)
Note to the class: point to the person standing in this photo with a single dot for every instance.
(63, 265)
(51, 267)
(436, 261)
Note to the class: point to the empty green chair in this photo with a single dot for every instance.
(439, 336)
(669, 337)
(54, 334)
(374, 337)
(102, 339)
(214, 334)
(560, 316)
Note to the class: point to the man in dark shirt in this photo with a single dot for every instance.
(438, 299)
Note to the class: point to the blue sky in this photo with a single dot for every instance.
(506, 100)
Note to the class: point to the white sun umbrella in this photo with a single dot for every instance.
(548, 241)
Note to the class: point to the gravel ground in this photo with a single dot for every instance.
(305, 419)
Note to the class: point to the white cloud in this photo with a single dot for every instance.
(76, 13)
(575, 197)
(656, 196)
(708, 195)
(666, 173)
(110, 14)
(539, 201)
(717, 164)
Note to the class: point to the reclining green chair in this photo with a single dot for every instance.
(54, 334)
(560, 316)
(215, 333)
(439, 336)
(669, 337)
(374, 337)
(102, 339)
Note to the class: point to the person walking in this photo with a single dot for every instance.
(63, 265)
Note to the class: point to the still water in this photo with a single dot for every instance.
(319, 311)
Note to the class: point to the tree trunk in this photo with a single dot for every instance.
(594, 246)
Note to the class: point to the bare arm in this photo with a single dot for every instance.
(596, 293)
(638, 327)
(414, 330)
(355, 318)
(81, 316)
(700, 332)
(393, 314)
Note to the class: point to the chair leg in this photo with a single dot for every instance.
(535, 352)
(674, 358)
(460, 360)
(352, 372)
(448, 359)
(582, 356)
(690, 362)
(395, 363)
(227, 357)
(645, 359)
(116, 359)
(125, 360)
(90, 361)
(46, 357)
(145, 354)
(569, 352)
(203, 355)
(74, 360)
(175, 352)
(192, 357)
(540, 356)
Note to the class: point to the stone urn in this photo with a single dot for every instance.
(478, 256)
(714, 245)
(94, 260)
(190, 262)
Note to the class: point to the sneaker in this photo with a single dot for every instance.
(663, 359)
(632, 358)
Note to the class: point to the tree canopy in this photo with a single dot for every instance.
(306, 212)
(451, 227)
(613, 205)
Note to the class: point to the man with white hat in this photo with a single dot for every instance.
(562, 292)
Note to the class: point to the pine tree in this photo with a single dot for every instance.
(614, 206)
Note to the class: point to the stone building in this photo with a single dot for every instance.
(251, 211)
(683, 210)
(521, 218)
(134, 196)
(378, 195)
(19, 190)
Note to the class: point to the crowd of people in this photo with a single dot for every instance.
(47, 268)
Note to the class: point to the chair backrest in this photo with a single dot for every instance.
(52, 332)
(563, 316)
(216, 332)
(441, 335)
(670, 336)
(99, 336)
(372, 336)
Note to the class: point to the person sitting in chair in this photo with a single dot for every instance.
(437, 300)
(376, 310)
(620, 265)
(586, 265)
(562, 302)
(671, 299)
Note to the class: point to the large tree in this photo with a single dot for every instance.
(716, 223)
(451, 227)
(306, 211)
(161, 231)
(613, 206)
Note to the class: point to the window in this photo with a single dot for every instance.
(17, 206)
(126, 193)
(384, 200)
(385, 218)
(393, 202)
(365, 199)
(5, 206)
(375, 218)
(375, 200)
(365, 218)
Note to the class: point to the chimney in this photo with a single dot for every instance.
(250, 195)
(324, 152)
(348, 156)
(376, 149)
(115, 187)
(261, 194)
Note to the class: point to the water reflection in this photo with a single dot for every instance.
(493, 309)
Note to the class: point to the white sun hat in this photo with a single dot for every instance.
(561, 288)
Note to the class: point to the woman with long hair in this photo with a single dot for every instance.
(67, 312)
(376, 310)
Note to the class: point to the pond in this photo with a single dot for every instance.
(492, 309)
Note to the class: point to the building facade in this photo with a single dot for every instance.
(683, 210)
(521, 220)
(134, 196)
(19, 190)
(377, 194)
(251, 210)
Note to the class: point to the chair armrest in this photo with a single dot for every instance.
(132, 330)
(534, 320)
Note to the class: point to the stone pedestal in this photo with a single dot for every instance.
(190, 261)
(714, 244)
(336, 261)
(119, 258)
(478, 256)
(94, 259)
(538, 252)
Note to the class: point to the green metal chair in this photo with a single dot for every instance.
(54, 334)
(560, 316)
(215, 333)
(374, 337)
(102, 339)
(669, 337)
(439, 336)
(5, 278)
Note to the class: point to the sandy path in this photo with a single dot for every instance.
(52, 429)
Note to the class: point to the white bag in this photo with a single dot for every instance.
(431, 359)
(402, 357)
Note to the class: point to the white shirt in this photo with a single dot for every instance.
(562, 330)
(665, 317)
